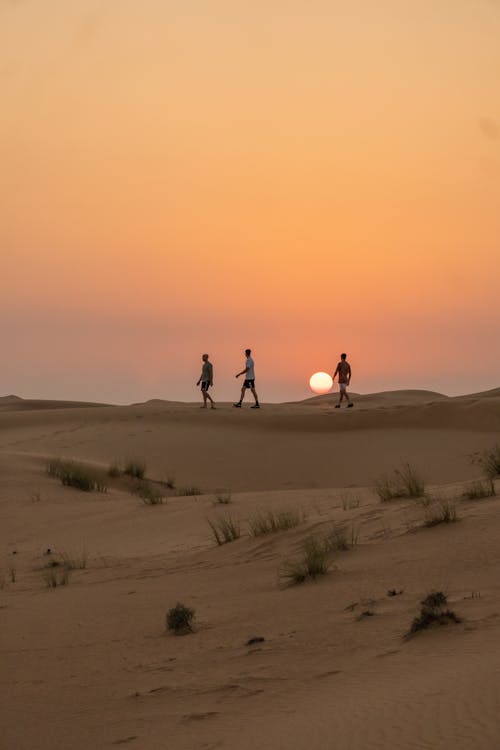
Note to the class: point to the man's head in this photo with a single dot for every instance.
(248, 352)
(343, 357)
(205, 357)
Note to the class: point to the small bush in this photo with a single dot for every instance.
(404, 482)
(479, 489)
(188, 491)
(150, 493)
(434, 600)
(271, 522)
(135, 468)
(489, 460)
(441, 511)
(432, 612)
(73, 474)
(180, 619)
(54, 576)
(312, 563)
(225, 530)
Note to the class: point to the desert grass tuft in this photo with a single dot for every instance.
(340, 538)
(224, 529)
(74, 560)
(135, 468)
(170, 481)
(433, 612)
(270, 522)
(440, 511)
(149, 493)
(479, 489)
(114, 470)
(73, 474)
(312, 563)
(403, 482)
(189, 491)
(55, 577)
(179, 619)
(489, 460)
(348, 501)
(12, 574)
(223, 499)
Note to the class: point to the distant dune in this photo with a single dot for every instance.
(16, 403)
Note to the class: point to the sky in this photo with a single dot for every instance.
(301, 177)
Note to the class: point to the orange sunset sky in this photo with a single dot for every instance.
(301, 177)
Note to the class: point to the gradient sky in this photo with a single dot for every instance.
(302, 177)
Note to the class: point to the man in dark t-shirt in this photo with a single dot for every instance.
(344, 372)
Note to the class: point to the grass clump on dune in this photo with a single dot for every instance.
(440, 511)
(55, 576)
(270, 522)
(403, 482)
(340, 538)
(223, 499)
(224, 530)
(149, 492)
(479, 489)
(114, 470)
(489, 460)
(135, 468)
(189, 491)
(74, 561)
(433, 612)
(179, 619)
(73, 474)
(312, 563)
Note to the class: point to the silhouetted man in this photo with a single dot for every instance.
(344, 372)
(206, 379)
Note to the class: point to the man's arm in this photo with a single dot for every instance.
(243, 372)
(349, 375)
(211, 374)
(335, 373)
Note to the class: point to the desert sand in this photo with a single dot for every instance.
(91, 664)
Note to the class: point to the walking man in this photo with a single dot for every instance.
(344, 372)
(249, 373)
(206, 379)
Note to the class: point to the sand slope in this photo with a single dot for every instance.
(92, 659)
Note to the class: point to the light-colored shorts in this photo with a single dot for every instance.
(343, 387)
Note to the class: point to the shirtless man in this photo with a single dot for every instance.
(206, 379)
(344, 372)
(249, 373)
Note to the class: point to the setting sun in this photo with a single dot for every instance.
(320, 382)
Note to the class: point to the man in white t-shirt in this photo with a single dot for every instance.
(249, 373)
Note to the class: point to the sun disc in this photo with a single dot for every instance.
(320, 382)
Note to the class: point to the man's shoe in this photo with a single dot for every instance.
(256, 406)
(349, 406)
(237, 406)
(337, 406)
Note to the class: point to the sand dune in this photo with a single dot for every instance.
(92, 659)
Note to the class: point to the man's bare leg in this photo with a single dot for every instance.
(254, 392)
(204, 400)
(211, 400)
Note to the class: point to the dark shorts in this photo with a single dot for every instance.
(249, 384)
(205, 385)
